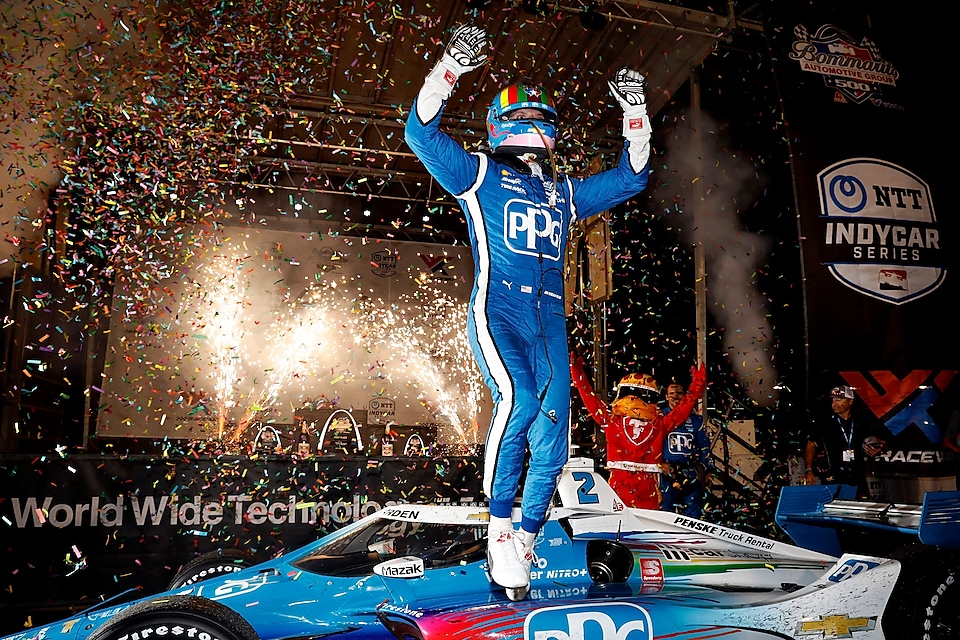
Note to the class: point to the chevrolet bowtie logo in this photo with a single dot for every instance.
(835, 626)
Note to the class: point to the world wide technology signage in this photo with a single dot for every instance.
(81, 527)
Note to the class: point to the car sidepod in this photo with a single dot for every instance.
(848, 601)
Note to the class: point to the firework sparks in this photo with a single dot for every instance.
(419, 340)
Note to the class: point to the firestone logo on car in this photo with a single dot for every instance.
(602, 621)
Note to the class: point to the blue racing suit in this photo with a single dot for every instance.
(519, 224)
(686, 452)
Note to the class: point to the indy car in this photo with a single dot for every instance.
(601, 571)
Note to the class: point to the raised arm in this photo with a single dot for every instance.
(455, 169)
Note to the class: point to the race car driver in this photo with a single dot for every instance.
(519, 210)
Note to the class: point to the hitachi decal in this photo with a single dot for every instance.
(880, 233)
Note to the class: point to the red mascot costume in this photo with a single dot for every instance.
(635, 430)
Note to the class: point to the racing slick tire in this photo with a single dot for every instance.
(177, 618)
(925, 602)
(212, 564)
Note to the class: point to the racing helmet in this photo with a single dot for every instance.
(527, 133)
(637, 397)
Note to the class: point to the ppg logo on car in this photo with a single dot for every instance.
(602, 621)
(531, 230)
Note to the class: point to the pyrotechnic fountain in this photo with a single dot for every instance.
(417, 340)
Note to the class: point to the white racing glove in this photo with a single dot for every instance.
(465, 52)
(629, 88)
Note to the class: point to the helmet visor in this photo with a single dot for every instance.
(529, 113)
(646, 394)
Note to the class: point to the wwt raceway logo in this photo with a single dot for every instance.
(904, 402)
(880, 233)
(856, 71)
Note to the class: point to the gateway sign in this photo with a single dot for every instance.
(879, 230)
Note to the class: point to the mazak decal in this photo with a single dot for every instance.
(406, 567)
(856, 71)
(601, 621)
(879, 230)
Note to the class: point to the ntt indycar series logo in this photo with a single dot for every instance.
(880, 232)
(601, 621)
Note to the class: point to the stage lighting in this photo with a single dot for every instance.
(592, 19)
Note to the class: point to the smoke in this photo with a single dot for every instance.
(726, 183)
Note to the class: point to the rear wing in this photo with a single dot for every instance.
(813, 516)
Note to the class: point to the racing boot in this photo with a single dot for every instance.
(524, 540)
(505, 567)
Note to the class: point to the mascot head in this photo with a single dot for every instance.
(637, 397)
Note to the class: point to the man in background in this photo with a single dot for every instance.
(687, 463)
(839, 443)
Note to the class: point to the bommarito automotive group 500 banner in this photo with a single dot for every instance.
(79, 528)
(877, 227)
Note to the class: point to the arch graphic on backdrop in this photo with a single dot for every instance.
(415, 446)
(341, 417)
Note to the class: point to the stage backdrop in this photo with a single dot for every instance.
(80, 528)
(249, 326)
(877, 227)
